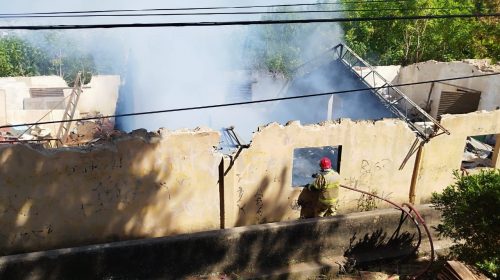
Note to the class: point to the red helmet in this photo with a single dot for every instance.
(325, 163)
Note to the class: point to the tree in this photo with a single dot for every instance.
(471, 217)
(410, 41)
(19, 58)
(68, 58)
(281, 48)
(52, 55)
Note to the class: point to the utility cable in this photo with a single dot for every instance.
(243, 22)
(205, 8)
(251, 102)
(226, 13)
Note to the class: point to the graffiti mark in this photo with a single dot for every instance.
(117, 163)
(365, 167)
(259, 203)
(92, 166)
(163, 185)
(38, 233)
(295, 205)
(25, 236)
(242, 209)
(353, 182)
(367, 171)
(240, 193)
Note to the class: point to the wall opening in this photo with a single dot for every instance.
(479, 151)
(458, 102)
(306, 162)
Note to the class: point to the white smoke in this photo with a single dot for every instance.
(166, 68)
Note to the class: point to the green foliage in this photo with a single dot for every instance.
(53, 55)
(367, 202)
(410, 41)
(19, 58)
(272, 47)
(281, 48)
(471, 217)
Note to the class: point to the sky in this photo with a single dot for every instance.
(165, 68)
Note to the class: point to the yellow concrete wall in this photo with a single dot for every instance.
(126, 190)
(259, 187)
(443, 154)
(134, 188)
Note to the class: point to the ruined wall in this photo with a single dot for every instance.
(389, 72)
(18, 88)
(432, 70)
(443, 154)
(101, 96)
(169, 183)
(258, 188)
(129, 189)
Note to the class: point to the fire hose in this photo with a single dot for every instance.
(416, 220)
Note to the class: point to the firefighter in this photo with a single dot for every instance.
(326, 185)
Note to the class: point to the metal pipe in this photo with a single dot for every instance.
(422, 221)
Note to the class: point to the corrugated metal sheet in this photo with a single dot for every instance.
(46, 92)
(458, 102)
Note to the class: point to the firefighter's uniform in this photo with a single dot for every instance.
(327, 184)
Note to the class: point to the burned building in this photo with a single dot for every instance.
(152, 184)
(45, 99)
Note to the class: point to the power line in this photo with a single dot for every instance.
(206, 8)
(224, 13)
(233, 23)
(249, 102)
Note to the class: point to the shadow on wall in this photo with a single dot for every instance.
(179, 257)
(378, 251)
(266, 204)
(280, 247)
(235, 252)
(92, 198)
(378, 245)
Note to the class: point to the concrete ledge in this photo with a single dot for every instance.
(363, 236)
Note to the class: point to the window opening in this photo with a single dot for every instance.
(478, 151)
(306, 162)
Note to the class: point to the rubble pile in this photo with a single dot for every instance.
(485, 65)
(90, 132)
(478, 153)
(82, 133)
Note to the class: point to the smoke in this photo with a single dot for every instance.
(166, 68)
